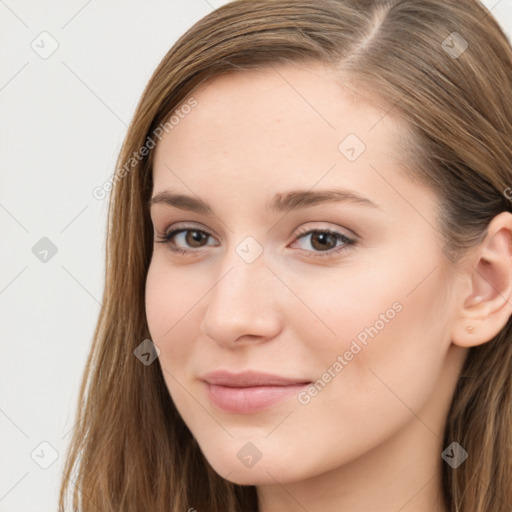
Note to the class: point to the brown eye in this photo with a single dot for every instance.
(323, 241)
(195, 238)
(185, 240)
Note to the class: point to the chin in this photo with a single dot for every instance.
(265, 471)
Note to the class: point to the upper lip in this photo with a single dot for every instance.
(249, 378)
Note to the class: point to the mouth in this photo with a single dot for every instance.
(249, 392)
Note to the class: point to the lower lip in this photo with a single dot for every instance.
(252, 399)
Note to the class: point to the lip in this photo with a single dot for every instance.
(249, 391)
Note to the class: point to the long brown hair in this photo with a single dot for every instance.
(442, 66)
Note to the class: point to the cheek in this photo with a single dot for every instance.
(175, 303)
(344, 309)
(378, 325)
(368, 389)
(167, 301)
(170, 297)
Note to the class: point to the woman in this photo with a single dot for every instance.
(309, 277)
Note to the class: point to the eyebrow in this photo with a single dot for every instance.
(285, 202)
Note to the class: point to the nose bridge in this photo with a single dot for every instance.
(243, 272)
(242, 300)
(242, 289)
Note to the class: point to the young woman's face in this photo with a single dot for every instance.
(310, 256)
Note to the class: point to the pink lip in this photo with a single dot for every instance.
(249, 391)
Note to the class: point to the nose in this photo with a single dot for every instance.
(243, 306)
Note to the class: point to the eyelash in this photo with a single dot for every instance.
(348, 243)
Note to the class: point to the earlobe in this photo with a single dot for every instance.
(486, 308)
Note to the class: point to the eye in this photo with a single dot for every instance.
(325, 242)
(192, 236)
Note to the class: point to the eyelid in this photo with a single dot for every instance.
(348, 233)
(349, 241)
(295, 232)
(188, 226)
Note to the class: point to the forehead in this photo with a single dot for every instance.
(287, 122)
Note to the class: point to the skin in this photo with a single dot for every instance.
(371, 439)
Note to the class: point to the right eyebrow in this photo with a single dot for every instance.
(181, 201)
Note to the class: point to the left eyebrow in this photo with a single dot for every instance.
(286, 202)
(297, 199)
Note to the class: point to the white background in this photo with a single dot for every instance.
(62, 122)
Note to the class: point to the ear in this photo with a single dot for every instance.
(487, 306)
